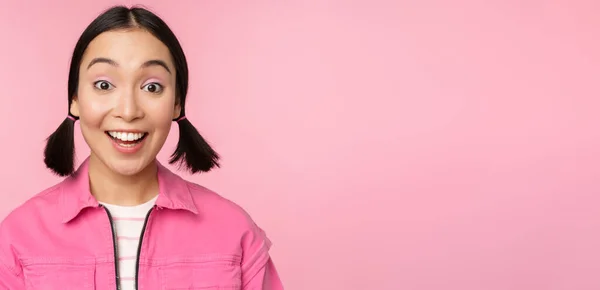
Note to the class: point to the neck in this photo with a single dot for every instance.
(113, 188)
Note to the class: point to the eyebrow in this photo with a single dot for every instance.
(152, 62)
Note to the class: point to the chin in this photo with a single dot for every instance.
(125, 163)
(129, 167)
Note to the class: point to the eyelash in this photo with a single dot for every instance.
(98, 83)
(160, 87)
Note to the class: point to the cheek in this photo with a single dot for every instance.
(158, 108)
(92, 113)
(161, 117)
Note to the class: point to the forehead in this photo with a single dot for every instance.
(129, 48)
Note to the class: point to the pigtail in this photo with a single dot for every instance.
(192, 150)
(59, 153)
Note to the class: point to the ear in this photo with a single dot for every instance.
(177, 110)
(74, 109)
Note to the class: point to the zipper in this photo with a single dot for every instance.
(139, 249)
(114, 239)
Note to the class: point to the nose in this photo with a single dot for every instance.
(127, 107)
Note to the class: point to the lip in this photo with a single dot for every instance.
(131, 149)
(126, 131)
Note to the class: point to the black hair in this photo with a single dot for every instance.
(192, 151)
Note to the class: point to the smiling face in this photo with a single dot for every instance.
(126, 99)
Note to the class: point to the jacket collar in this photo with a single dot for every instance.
(75, 195)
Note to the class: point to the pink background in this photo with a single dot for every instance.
(382, 145)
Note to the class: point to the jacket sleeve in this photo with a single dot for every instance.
(11, 273)
(266, 279)
(258, 268)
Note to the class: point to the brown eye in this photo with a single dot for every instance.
(103, 85)
(153, 88)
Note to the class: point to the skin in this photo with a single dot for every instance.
(125, 92)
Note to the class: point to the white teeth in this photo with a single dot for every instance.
(124, 136)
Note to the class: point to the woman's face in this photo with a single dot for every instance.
(126, 99)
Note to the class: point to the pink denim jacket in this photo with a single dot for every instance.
(193, 239)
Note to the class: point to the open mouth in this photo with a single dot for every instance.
(127, 139)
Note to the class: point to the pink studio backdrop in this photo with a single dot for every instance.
(382, 145)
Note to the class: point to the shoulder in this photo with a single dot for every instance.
(209, 202)
(35, 209)
(233, 218)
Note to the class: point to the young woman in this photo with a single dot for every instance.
(122, 220)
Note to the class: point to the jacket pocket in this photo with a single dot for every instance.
(216, 272)
(59, 276)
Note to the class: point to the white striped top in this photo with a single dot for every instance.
(128, 222)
